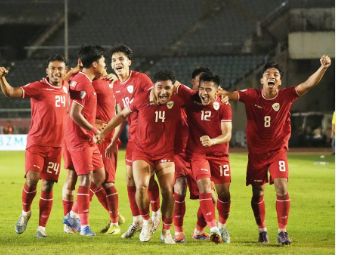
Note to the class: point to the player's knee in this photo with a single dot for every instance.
(167, 192)
(142, 189)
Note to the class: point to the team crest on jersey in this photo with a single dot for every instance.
(65, 90)
(276, 107)
(130, 88)
(73, 84)
(170, 104)
(216, 106)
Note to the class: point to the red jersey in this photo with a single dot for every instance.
(204, 120)
(268, 120)
(126, 91)
(182, 134)
(105, 101)
(49, 105)
(82, 92)
(156, 124)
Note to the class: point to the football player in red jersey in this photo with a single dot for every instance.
(43, 151)
(126, 89)
(268, 131)
(82, 153)
(210, 126)
(154, 147)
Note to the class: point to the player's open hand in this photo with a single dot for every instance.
(3, 72)
(109, 151)
(206, 141)
(325, 61)
(111, 77)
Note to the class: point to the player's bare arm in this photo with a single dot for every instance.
(114, 122)
(315, 78)
(118, 130)
(73, 71)
(78, 118)
(232, 96)
(225, 137)
(6, 88)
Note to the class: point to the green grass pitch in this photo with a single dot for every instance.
(311, 222)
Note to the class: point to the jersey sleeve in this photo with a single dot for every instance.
(292, 94)
(31, 90)
(244, 94)
(78, 92)
(226, 113)
(145, 83)
(185, 92)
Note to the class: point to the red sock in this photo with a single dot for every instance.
(145, 213)
(179, 212)
(282, 209)
(153, 193)
(223, 205)
(112, 200)
(259, 210)
(83, 202)
(201, 223)
(75, 207)
(45, 204)
(101, 195)
(93, 189)
(132, 200)
(67, 205)
(167, 223)
(208, 209)
(28, 195)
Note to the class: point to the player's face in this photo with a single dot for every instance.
(163, 91)
(207, 92)
(56, 71)
(195, 82)
(100, 67)
(271, 79)
(120, 63)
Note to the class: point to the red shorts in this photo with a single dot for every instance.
(259, 164)
(83, 161)
(217, 168)
(128, 153)
(45, 160)
(110, 165)
(150, 159)
(183, 169)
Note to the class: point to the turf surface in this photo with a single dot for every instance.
(311, 222)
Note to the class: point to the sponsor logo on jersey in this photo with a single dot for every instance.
(243, 90)
(130, 88)
(216, 106)
(65, 90)
(50, 89)
(209, 213)
(73, 84)
(82, 94)
(118, 91)
(258, 106)
(276, 107)
(170, 104)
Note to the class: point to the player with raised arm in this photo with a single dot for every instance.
(268, 131)
(126, 89)
(154, 148)
(44, 142)
(210, 125)
(82, 153)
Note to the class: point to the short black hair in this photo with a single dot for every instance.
(199, 70)
(210, 76)
(89, 54)
(57, 57)
(122, 48)
(273, 65)
(164, 75)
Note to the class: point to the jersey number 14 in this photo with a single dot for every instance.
(160, 115)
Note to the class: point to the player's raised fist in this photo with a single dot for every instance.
(325, 61)
(206, 141)
(3, 72)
